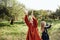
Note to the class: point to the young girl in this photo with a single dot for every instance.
(32, 27)
(44, 27)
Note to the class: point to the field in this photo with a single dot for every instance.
(18, 30)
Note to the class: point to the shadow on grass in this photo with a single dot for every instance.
(8, 24)
(4, 24)
(19, 22)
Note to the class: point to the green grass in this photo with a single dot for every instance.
(12, 32)
(18, 31)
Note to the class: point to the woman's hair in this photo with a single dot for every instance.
(29, 18)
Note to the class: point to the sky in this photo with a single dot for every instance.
(41, 4)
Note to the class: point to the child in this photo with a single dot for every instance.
(44, 28)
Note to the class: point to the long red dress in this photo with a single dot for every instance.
(32, 29)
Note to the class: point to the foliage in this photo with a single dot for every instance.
(56, 14)
(11, 9)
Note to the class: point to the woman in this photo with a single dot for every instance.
(32, 27)
(44, 27)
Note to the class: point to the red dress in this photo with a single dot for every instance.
(32, 29)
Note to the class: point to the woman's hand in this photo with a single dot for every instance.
(32, 14)
(26, 12)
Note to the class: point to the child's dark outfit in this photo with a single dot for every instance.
(45, 35)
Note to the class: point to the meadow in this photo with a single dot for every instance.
(18, 31)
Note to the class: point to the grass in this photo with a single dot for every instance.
(18, 31)
(12, 32)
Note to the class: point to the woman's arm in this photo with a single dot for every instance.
(34, 20)
(26, 18)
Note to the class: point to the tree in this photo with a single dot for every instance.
(14, 10)
(57, 13)
(4, 12)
